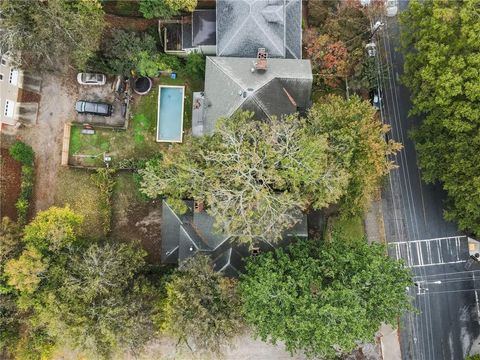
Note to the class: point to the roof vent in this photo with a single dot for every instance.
(261, 63)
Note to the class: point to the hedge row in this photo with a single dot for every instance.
(24, 154)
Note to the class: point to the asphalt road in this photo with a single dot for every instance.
(448, 323)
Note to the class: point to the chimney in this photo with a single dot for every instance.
(198, 206)
(261, 63)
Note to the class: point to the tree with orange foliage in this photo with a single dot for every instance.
(329, 57)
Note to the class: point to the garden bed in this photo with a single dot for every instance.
(10, 179)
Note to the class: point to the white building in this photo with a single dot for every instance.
(10, 82)
(13, 111)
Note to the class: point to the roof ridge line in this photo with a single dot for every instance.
(173, 212)
(254, 95)
(222, 70)
(239, 28)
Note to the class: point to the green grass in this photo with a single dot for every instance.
(137, 142)
(345, 228)
(145, 111)
(74, 188)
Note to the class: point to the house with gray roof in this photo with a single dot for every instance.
(234, 84)
(243, 26)
(237, 28)
(185, 235)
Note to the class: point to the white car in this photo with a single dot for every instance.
(391, 8)
(91, 79)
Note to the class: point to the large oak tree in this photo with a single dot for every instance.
(323, 298)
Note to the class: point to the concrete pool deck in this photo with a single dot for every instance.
(170, 113)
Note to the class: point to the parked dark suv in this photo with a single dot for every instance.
(94, 108)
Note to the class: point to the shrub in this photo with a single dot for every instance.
(22, 153)
(195, 66)
(148, 64)
(26, 186)
(165, 8)
(22, 209)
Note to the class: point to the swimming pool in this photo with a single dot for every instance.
(170, 113)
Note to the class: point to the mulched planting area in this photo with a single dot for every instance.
(10, 177)
(28, 96)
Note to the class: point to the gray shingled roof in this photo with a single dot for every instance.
(184, 236)
(243, 26)
(230, 85)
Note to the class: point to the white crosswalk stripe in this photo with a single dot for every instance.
(429, 252)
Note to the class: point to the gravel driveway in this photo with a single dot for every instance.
(56, 107)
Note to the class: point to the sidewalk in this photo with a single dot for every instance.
(390, 343)
(375, 232)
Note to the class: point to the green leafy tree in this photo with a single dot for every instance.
(89, 297)
(95, 301)
(10, 239)
(53, 229)
(9, 322)
(122, 49)
(195, 66)
(10, 248)
(151, 64)
(22, 152)
(25, 273)
(356, 136)
(319, 11)
(165, 8)
(201, 307)
(440, 41)
(323, 298)
(51, 34)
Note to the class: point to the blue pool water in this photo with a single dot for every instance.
(170, 114)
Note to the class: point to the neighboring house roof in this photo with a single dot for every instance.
(243, 26)
(184, 236)
(230, 85)
(204, 27)
(199, 30)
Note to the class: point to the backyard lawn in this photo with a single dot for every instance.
(136, 142)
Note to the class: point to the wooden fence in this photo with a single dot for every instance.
(66, 143)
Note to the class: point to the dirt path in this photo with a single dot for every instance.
(56, 107)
